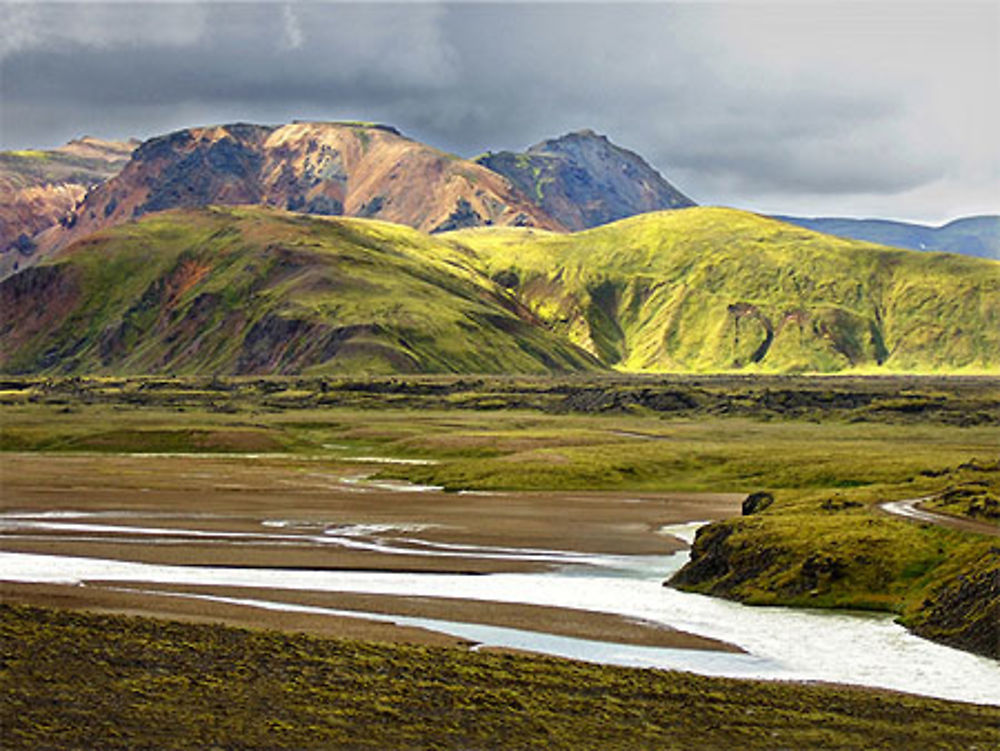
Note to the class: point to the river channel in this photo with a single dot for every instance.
(776, 643)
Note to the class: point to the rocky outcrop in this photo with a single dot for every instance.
(719, 563)
(40, 189)
(756, 502)
(965, 612)
(583, 180)
(728, 560)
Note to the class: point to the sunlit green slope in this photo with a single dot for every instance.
(708, 289)
(246, 290)
(250, 290)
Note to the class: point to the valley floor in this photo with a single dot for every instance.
(227, 503)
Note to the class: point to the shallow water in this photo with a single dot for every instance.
(781, 643)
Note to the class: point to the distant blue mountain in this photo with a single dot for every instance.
(971, 236)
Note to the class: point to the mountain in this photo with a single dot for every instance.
(971, 236)
(40, 188)
(353, 169)
(254, 290)
(708, 289)
(583, 180)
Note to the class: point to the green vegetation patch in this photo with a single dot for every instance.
(243, 290)
(974, 493)
(841, 550)
(719, 290)
(76, 680)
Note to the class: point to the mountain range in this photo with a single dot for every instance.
(195, 252)
(971, 236)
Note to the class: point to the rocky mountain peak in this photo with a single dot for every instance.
(582, 179)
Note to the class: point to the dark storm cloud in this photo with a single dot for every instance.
(878, 107)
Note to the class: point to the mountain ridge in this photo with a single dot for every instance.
(353, 169)
(40, 188)
(356, 169)
(977, 235)
(712, 289)
(572, 182)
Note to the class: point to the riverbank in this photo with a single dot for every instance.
(282, 514)
(869, 548)
(74, 680)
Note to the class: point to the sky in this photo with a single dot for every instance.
(882, 108)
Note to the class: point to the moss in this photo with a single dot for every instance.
(246, 290)
(75, 680)
(942, 582)
(713, 289)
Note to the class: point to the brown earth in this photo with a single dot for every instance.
(146, 599)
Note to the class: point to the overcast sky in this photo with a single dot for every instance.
(881, 108)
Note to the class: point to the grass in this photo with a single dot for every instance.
(708, 289)
(972, 498)
(74, 680)
(248, 290)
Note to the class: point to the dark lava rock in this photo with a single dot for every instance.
(756, 502)
(839, 504)
(819, 569)
(709, 556)
(463, 216)
(721, 562)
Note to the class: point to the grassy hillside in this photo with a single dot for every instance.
(250, 290)
(709, 289)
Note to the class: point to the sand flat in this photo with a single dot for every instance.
(280, 512)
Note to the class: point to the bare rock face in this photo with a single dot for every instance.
(52, 199)
(583, 180)
(352, 169)
(38, 189)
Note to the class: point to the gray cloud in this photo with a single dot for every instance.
(815, 107)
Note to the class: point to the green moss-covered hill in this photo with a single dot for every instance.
(710, 289)
(251, 290)
(241, 290)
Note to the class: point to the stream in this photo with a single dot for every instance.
(780, 643)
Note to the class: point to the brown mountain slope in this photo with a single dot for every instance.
(363, 170)
(40, 188)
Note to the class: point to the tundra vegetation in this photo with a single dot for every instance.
(828, 451)
(240, 290)
(75, 680)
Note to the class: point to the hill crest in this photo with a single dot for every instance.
(255, 290)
